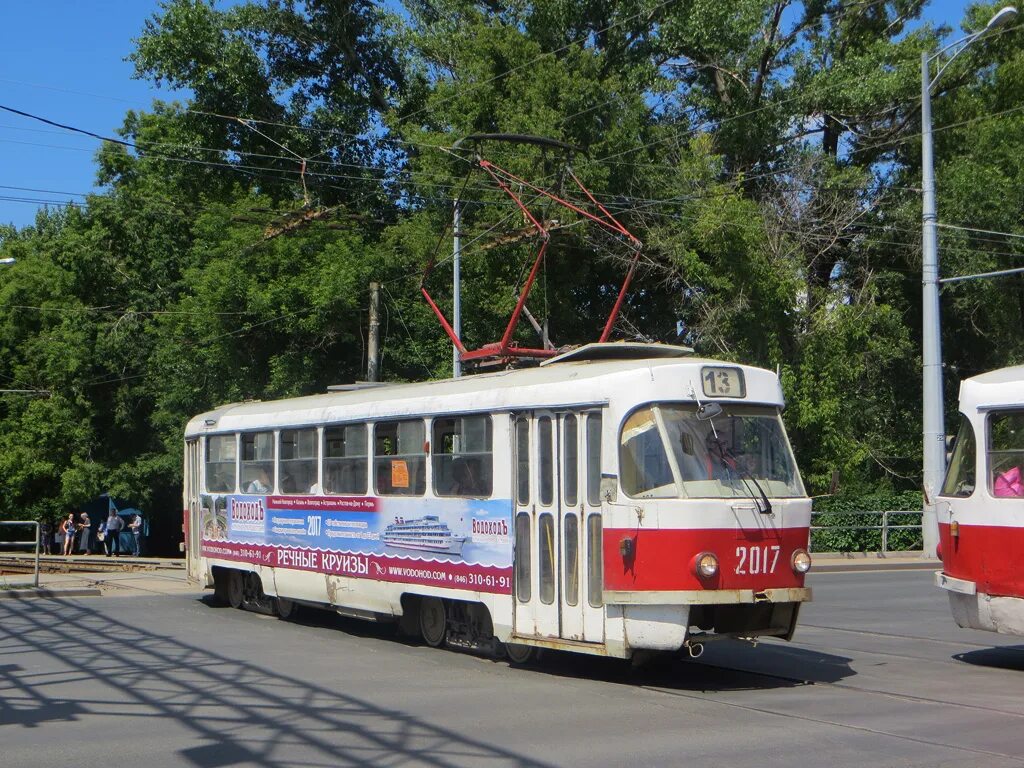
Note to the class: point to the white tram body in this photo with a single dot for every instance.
(981, 506)
(577, 505)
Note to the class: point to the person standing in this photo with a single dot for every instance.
(136, 528)
(112, 541)
(85, 533)
(69, 528)
(46, 536)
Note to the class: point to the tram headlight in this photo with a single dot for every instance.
(705, 565)
(801, 561)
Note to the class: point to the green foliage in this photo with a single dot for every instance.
(853, 522)
(765, 153)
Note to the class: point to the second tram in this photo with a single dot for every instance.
(618, 498)
(981, 506)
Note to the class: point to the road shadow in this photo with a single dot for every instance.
(727, 665)
(234, 712)
(998, 657)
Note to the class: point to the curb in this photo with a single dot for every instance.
(46, 592)
(875, 565)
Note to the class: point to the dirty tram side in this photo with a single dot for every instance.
(619, 498)
(980, 508)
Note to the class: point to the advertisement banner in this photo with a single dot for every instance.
(458, 543)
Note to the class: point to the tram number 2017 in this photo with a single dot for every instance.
(757, 560)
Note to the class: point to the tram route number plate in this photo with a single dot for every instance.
(722, 381)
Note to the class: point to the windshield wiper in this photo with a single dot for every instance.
(732, 465)
(707, 412)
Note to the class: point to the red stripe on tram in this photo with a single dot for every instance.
(663, 559)
(985, 554)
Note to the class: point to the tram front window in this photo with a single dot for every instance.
(667, 452)
(960, 472)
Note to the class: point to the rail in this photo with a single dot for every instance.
(884, 527)
(35, 524)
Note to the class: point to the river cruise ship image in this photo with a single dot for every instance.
(425, 533)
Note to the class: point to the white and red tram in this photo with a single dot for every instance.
(981, 507)
(617, 498)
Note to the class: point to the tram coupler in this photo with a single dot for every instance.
(695, 649)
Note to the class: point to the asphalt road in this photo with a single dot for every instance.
(878, 676)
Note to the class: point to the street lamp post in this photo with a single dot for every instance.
(933, 427)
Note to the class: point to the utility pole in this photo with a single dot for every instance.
(934, 431)
(456, 287)
(933, 421)
(374, 341)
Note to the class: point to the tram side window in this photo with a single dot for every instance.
(1006, 453)
(547, 553)
(345, 459)
(570, 462)
(257, 462)
(594, 458)
(462, 457)
(960, 480)
(571, 537)
(546, 487)
(595, 561)
(297, 461)
(399, 458)
(522, 461)
(220, 463)
(523, 557)
(644, 467)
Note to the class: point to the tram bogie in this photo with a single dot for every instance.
(980, 508)
(595, 504)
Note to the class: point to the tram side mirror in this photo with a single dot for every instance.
(609, 487)
(708, 411)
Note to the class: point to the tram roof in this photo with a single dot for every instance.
(1002, 387)
(569, 382)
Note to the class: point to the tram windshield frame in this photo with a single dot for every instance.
(666, 451)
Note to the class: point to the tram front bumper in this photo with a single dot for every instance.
(662, 620)
(708, 596)
(950, 584)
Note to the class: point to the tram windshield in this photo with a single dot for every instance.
(667, 452)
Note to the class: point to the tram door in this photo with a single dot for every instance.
(553, 583)
(193, 524)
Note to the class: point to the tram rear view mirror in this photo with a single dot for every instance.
(609, 487)
(708, 411)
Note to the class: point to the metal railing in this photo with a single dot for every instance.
(884, 526)
(35, 581)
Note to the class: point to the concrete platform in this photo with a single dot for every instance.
(97, 583)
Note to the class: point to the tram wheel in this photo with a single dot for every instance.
(285, 608)
(236, 589)
(518, 653)
(433, 621)
(220, 586)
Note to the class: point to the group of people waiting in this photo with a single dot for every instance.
(76, 528)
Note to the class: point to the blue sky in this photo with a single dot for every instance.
(65, 60)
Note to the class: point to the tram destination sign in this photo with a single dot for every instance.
(723, 381)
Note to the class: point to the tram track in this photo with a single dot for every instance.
(796, 680)
(903, 656)
(79, 564)
(931, 743)
(866, 690)
(895, 636)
